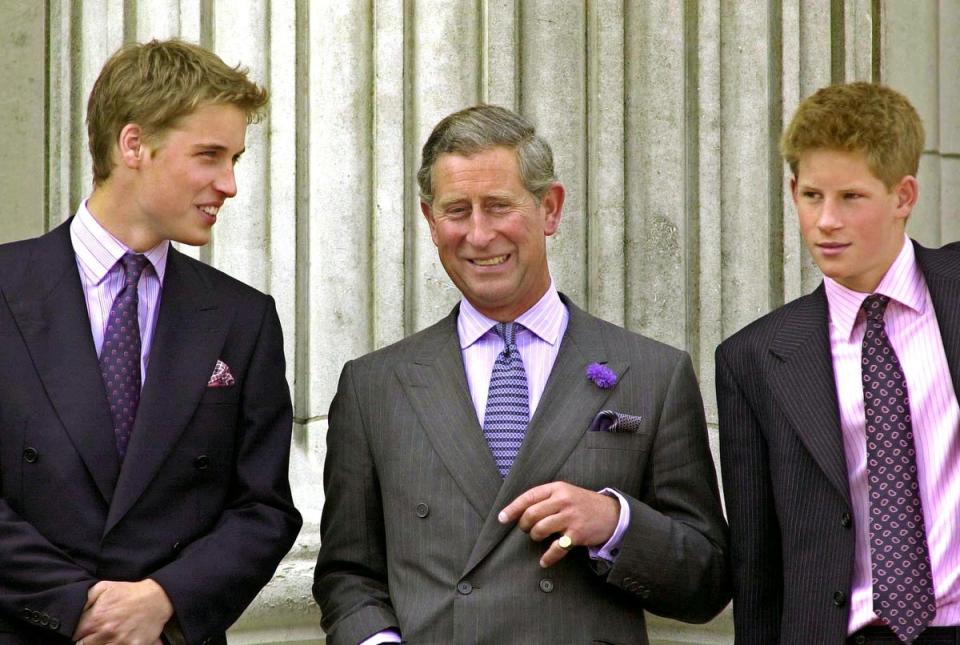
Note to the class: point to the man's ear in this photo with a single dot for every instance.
(551, 206)
(131, 145)
(428, 215)
(793, 189)
(907, 192)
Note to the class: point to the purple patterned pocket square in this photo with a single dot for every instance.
(221, 376)
(610, 421)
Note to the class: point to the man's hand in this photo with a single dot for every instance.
(132, 613)
(586, 517)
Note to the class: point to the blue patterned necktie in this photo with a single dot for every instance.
(508, 401)
(120, 353)
(903, 594)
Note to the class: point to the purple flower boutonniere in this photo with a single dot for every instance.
(602, 376)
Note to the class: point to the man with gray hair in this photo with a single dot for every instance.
(521, 471)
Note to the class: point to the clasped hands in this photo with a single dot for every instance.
(586, 517)
(130, 613)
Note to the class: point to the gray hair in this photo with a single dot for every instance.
(480, 128)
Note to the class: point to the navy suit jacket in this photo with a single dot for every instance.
(201, 503)
(784, 469)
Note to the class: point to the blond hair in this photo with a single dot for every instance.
(858, 117)
(154, 85)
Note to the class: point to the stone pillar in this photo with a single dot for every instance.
(664, 118)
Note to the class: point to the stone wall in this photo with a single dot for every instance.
(664, 118)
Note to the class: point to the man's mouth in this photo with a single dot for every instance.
(489, 262)
(210, 210)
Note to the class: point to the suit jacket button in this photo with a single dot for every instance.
(422, 510)
(839, 598)
(54, 624)
(26, 613)
(30, 455)
(846, 521)
(202, 462)
(546, 585)
(464, 587)
(176, 547)
(860, 639)
(44, 620)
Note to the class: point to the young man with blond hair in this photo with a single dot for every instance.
(838, 411)
(144, 413)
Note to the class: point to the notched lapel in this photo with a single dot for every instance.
(436, 385)
(191, 328)
(941, 270)
(804, 387)
(569, 402)
(51, 313)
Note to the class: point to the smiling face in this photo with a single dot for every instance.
(171, 186)
(851, 223)
(491, 232)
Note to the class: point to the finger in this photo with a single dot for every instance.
(553, 524)
(515, 509)
(540, 511)
(553, 555)
(95, 592)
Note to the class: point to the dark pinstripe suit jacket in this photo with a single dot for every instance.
(783, 465)
(410, 537)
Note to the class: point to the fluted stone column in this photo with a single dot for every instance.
(664, 118)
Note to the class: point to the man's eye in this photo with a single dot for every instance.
(852, 195)
(809, 194)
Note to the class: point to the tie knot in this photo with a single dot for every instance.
(508, 332)
(874, 306)
(133, 265)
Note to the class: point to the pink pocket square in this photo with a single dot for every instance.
(221, 376)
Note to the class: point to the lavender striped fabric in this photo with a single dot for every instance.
(911, 325)
(101, 277)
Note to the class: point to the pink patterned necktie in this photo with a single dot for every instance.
(120, 353)
(903, 594)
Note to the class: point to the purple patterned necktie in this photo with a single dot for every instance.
(903, 595)
(508, 401)
(120, 353)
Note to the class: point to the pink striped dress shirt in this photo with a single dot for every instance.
(98, 253)
(911, 324)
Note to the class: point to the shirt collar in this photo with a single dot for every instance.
(98, 250)
(903, 283)
(543, 319)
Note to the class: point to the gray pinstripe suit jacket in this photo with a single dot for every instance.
(410, 537)
(784, 470)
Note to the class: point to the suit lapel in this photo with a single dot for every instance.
(51, 312)
(941, 270)
(436, 385)
(804, 386)
(190, 332)
(568, 405)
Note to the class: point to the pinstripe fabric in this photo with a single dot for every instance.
(101, 276)
(911, 324)
(792, 530)
(410, 537)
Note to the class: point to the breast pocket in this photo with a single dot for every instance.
(599, 440)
